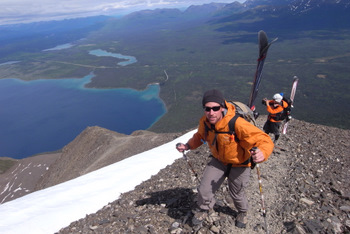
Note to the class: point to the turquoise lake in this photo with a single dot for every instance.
(45, 115)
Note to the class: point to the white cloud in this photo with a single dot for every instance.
(19, 11)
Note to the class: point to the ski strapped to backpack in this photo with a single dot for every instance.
(292, 96)
(286, 114)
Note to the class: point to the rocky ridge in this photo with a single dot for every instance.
(305, 186)
(98, 147)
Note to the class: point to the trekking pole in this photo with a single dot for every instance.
(188, 162)
(260, 189)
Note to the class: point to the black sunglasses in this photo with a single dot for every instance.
(214, 108)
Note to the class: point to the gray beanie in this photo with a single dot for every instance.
(213, 95)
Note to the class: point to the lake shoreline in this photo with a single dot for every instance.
(68, 118)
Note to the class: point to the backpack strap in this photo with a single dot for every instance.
(231, 126)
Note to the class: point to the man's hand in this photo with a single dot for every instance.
(257, 155)
(181, 147)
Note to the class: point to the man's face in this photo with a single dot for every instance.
(213, 112)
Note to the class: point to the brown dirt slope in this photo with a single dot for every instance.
(98, 147)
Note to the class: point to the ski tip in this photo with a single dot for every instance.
(262, 35)
(295, 79)
(263, 43)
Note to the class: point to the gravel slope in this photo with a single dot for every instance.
(305, 186)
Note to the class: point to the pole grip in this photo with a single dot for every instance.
(252, 163)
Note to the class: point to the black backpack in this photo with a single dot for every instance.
(285, 115)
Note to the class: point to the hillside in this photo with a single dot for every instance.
(305, 184)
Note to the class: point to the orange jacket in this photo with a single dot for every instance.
(225, 148)
(275, 112)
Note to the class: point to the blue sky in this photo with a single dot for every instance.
(24, 11)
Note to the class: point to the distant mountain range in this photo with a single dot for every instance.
(288, 15)
(252, 15)
(282, 17)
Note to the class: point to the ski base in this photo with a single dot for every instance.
(292, 95)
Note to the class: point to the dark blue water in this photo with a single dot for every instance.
(45, 115)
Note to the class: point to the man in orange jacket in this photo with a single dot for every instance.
(275, 108)
(231, 155)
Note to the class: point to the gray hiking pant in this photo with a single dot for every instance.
(214, 176)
